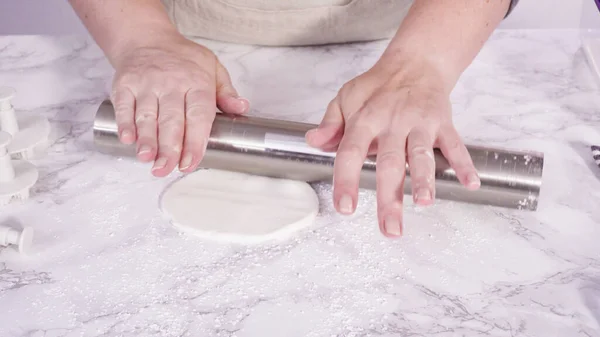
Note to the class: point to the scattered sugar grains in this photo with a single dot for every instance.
(355, 264)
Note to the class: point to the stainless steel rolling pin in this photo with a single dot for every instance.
(277, 148)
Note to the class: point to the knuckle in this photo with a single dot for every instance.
(145, 116)
(169, 151)
(365, 125)
(390, 160)
(387, 200)
(170, 105)
(124, 121)
(197, 113)
(420, 182)
(121, 106)
(172, 84)
(420, 150)
(171, 118)
(332, 105)
(345, 182)
(163, 77)
(123, 112)
(350, 151)
(117, 92)
(203, 78)
(207, 56)
(121, 98)
(422, 171)
(177, 148)
(199, 97)
(170, 145)
(347, 87)
(225, 87)
(125, 80)
(144, 120)
(431, 119)
(196, 143)
(426, 126)
(147, 139)
(453, 143)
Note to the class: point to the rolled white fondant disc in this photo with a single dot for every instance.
(238, 207)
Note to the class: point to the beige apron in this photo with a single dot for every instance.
(288, 22)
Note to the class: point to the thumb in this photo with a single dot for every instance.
(330, 131)
(228, 100)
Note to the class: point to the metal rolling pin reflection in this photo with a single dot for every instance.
(276, 148)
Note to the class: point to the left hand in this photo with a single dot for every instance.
(400, 111)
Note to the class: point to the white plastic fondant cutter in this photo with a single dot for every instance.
(16, 176)
(27, 132)
(22, 239)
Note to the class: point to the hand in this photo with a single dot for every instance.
(166, 96)
(400, 111)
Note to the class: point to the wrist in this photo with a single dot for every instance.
(143, 36)
(420, 64)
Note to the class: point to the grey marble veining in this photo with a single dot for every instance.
(107, 263)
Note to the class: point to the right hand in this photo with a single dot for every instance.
(166, 95)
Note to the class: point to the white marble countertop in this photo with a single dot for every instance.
(106, 263)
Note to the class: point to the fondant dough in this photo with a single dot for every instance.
(238, 207)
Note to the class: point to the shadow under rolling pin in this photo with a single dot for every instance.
(276, 148)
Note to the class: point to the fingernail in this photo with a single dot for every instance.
(345, 204)
(244, 103)
(159, 163)
(473, 180)
(126, 135)
(144, 149)
(392, 226)
(423, 194)
(186, 162)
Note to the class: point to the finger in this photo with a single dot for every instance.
(421, 162)
(331, 129)
(200, 110)
(458, 157)
(170, 132)
(228, 99)
(124, 104)
(348, 163)
(390, 177)
(146, 111)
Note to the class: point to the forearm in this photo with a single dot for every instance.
(118, 25)
(446, 34)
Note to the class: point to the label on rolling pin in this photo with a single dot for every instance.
(293, 144)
